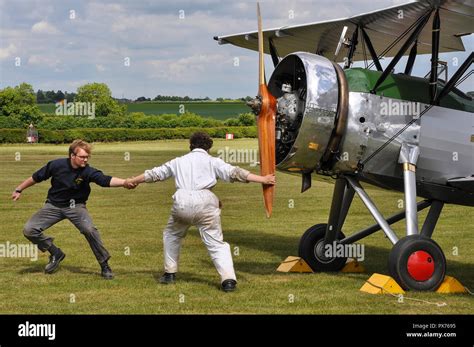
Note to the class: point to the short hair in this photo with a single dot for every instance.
(79, 144)
(200, 140)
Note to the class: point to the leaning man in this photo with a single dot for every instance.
(67, 197)
(195, 175)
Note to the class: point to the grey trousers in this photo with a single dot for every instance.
(78, 215)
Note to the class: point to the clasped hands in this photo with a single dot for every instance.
(129, 183)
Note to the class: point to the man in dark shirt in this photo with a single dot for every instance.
(67, 197)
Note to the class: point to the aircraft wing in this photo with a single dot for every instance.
(382, 27)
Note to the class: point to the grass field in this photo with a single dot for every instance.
(134, 220)
(216, 110)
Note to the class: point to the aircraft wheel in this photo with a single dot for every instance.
(312, 251)
(417, 262)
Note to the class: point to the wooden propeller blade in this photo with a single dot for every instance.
(266, 124)
(266, 143)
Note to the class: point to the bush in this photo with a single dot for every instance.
(232, 122)
(12, 135)
(247, 119)
(12, 122)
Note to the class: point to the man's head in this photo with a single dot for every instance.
(79, 153)
(200, 140)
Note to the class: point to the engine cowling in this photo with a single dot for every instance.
(312, 103)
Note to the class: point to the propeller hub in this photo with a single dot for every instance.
(255, 105)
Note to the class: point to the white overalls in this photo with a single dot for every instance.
(195, 204)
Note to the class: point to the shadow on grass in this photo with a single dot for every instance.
(279, 245)
(78, 270)
(188, 277)
(32, 269)
(376, 258)
(38, 268)
(376, 261)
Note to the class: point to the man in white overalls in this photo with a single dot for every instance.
(195, 174)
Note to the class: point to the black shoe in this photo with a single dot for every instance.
(106, 271)
(54, 261)
(168, 278)
(229, 285)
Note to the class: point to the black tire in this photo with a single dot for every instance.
(307, 250)
(398, 263)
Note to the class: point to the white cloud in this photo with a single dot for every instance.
(199, 70)
(8, 51)
(168, 55)
(44, 27)
(43, 60)
(186, 69)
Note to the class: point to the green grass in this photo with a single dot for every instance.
(216, 110)
(135, 219)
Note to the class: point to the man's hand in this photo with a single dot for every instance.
(269, 179)
(15, 195)
(129, 184)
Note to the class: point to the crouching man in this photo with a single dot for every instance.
(67, 197)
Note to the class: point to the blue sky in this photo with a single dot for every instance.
(169, 45)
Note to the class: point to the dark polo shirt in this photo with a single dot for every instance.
(68, 183)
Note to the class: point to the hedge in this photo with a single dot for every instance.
(136, 120)
(122, 134)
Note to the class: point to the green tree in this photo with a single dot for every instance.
(70, 96)
(49, 95)
(100, 94)
(59, 96)
(19, 102)
(142, 98)
(40, 98)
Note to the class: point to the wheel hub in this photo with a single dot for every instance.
(420, 266)
(319, 252)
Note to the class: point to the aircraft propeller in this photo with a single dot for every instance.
(264, 106)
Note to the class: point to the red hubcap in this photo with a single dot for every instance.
(420, 265)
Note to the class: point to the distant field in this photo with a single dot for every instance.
(131, 224)
(217, 110)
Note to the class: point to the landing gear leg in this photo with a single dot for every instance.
(416, 261)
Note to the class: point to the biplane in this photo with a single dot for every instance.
(320, 117)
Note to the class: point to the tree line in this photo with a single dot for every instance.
(52, 97)
(20, 102)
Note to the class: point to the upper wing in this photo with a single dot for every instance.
(383, 27)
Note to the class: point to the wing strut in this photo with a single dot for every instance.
(452, 82)
(434, 57)
(411, 58)
(372, 52)
(414, 35)
(273, 52)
